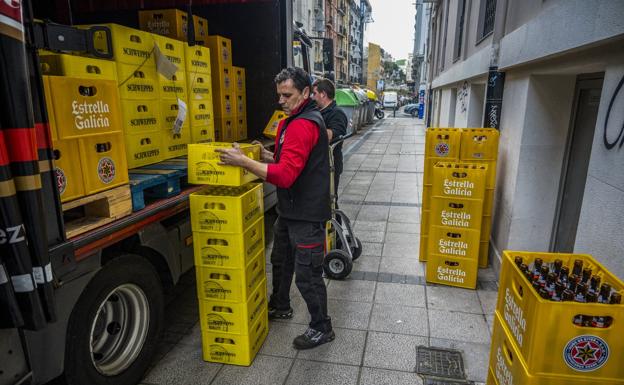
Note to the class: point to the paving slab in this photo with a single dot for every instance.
(349, 314)
(368, 248)
(347, 348)
(399, 319)
(453, 298)
(374, 236)
(392, 351)
(183, 365)
(488, 301)
(368, 226)
(322, 373)
(280, 338)
(400, 294)
(407, 228)
(476, 356)
(373, 376)
(458, 326)
(367, 263)
(402, 249)
(361, 291)
(408, 266)
(373, 213)
(265, 370)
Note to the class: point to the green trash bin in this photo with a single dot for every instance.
(346, 99)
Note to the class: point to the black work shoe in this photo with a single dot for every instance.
(280, 314)
(313, 338)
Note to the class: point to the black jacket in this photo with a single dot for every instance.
(308, 198)
(337, 121)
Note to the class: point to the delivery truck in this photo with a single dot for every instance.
(93, 312)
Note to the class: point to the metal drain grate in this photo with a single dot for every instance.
(440, 363)
(435, 381)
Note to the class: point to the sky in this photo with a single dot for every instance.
(393, 27)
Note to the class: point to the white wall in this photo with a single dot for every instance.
(461, 105)
(447, 104)
(601, 224)
(476, 105)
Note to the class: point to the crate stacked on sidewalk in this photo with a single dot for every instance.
(542, 336)
(86, 127)
(441, 145)
(222, 87)
(240, 103)
(227, 219)
(457, 191)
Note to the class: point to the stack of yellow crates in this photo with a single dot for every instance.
(240, 103)
(173, 23)
(83, 107)
(455, 223)
(441, 145)
(222, 87)
(198, 69)
(227, 219)
(538, 341)
(480, 145)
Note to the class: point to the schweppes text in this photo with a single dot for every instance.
(136, 52)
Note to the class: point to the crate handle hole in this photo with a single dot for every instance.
(169, 46)
(453, 235)
(139, 74)
(518, 289)
(223, 277)
(57, 154)
(459, 174)
(221, 340)
(202, 106)
(145, 141)
(135, 38)
(87, 90)
(456, 205)
(204, 132)
(200, 80)
(141, 108)
(451, 263)
(93, 69)
(222, 309)
(590, 321)
(175, 107)
(103, 147)
(508, 353)
(214, 206)
(177, 136)
(219, 242)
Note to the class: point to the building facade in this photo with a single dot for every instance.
(354, 39)
(374, 72)
(311, 14)
(560, 180)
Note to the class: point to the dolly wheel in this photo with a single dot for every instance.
(337, 264)
(356, 251)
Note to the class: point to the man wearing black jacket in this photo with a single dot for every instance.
(335, 119)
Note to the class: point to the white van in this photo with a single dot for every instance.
(390, 99)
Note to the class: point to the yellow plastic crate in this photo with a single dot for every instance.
(241, 127)
(239, 80)
(140, 115)
(174, 88)
(425, 217)
(223, 81)
(203, 134)
(451, 271)
(230, 285)
(77, 66)
(50, 108)
(103, 162)
(169, 113)
(130, 45)
(226, 209)
(507, 366)
(223, 106)
(84, 106)
(426, 197)
(172, 49)
(144, 148)
(225, 129)
(199, 86)
(454, 212)
(201, 113)
(479, 143)
(228, 250)
(536, 323)
(454, 242)
(270, 131)
(235, 349)
(486, 228)
(204, 167)
(240, 105)
(197, 59)
(137, 83)
(67, 169)
(220, 52)
(488, 202)
(422, 252)
(429, 163)
(176, 144)
(172, 23)
(490, 178)
(484, 249)
(442, 143)
(459, 180)
(233, 318)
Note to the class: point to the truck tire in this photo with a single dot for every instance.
(114, 328)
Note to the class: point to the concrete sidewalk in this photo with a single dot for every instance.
(381, 313)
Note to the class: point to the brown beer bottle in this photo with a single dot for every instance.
(587, 272)
(568, 295)
(573, 282)
(563, 274)
(605, 291)
(544, 293)
(594, 283)
(518, 260)
(537, 265)
(557, 266)
(581, 292)
(616, 298)
(559, 288)
(578, 267)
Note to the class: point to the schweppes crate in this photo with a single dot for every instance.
(453, 242)
(226, 209)
(240, 105)
(223, 81)
(443, 143)
(479, 144)
(228, 250)
(130, 45)
(84, 107)
(204, 166)
(67, 169)
(172, 49)
(169, 110)
(77, 66)
(203, 134)
(225, 129)
(144, 148)
(233, 318)
(240, 83)
(508, 367)
(174, 88)
(175, 144)
(137, 83)
(103, 159)
(574, 340)
(230, 285)
(235, 349)
(140, 116)
(201, 113)
(451, 270)
(199, 86)
(220, 52)
(241, 127)
(223, 106)
(270, 131)
(197, 59)
(459, 180)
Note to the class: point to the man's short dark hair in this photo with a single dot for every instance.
(326, 86)
(300, 78)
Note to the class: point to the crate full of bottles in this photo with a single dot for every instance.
(562, 314)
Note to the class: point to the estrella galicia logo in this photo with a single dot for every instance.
(442, 149)
(106, 170)
(586, 353)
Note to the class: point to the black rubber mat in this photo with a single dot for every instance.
(439, 362)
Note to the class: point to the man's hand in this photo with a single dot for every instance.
(231, 156)
(266, 156)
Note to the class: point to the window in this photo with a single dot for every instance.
(459, 31)
(487, 16)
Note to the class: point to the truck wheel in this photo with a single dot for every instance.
(337, 264)
(115, 326)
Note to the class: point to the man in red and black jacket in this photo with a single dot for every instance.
(300, 170)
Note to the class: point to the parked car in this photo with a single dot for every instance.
(390, 100)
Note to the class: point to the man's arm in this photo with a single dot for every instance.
(337, 125)
(235, 157)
